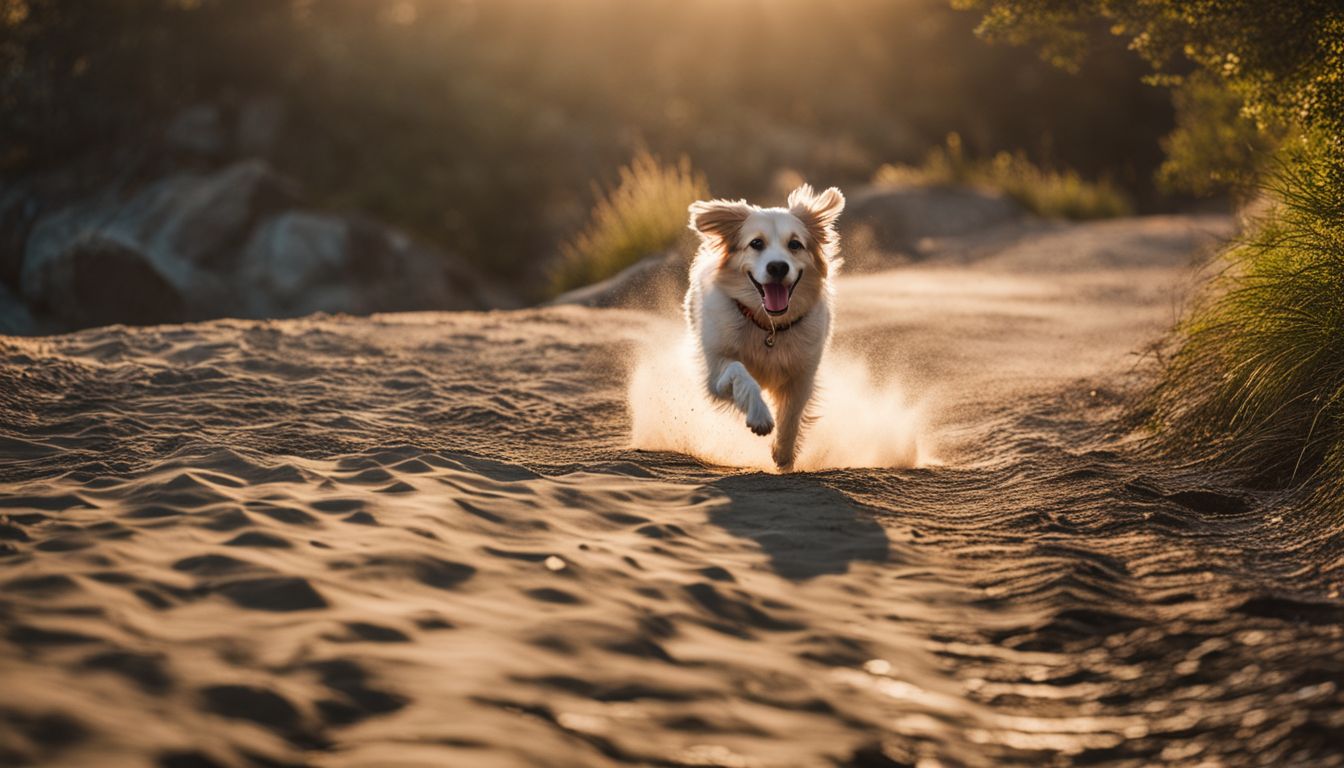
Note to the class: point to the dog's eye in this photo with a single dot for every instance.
(794, 245)
(757, 244)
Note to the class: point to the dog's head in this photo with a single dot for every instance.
(774, 258)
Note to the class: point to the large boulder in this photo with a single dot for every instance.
(301, 262)
(242, 128)
(895, 219)
(295, 262)
(231, 243)
(193, 221)
(189, 228)
(197, 130)
(100, 280)
(652, 282)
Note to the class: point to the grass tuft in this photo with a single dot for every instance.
(1053, 194)
(1256, 382)
(644, 214)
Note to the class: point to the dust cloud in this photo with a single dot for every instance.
(862, 418)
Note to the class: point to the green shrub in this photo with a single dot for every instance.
(1215, 148)
(1055, 194)
(644, 214)
(1256, 382)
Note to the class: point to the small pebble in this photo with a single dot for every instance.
(877, 666)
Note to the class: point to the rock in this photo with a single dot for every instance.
(200, 221)
(657, 280)
(896, 219)
(208, 132)
(293, 264)
(258, 127)
(302, 262)
(232, 243)
(18, 209)
(198, 130)
(187, 228)
(99, 280)
(15, 319)
(190, 228)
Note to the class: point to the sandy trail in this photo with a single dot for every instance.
(426, 540)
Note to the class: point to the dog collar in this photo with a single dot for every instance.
(772, 329)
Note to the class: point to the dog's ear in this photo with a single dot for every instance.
(818, 213)
(719, 220)
(812, 208)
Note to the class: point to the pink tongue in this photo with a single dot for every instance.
(776, 297)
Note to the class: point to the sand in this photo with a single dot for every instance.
(461, 540)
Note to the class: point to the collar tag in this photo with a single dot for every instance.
(771, 329)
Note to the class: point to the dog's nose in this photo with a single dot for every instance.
(777, 269)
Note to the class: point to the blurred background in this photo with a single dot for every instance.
(170, 160)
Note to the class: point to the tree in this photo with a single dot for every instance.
(1284, 58)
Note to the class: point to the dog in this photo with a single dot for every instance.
(759, 306)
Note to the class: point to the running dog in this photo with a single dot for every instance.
(759, 306)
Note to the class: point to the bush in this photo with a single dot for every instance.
(1054, 194)
(1216, 148)
(1256, 382)
(644, 214)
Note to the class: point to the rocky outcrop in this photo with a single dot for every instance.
(97, 279)
(896, 219)
(234, 242)
(248, 128)
(301, 262)
(655, 281)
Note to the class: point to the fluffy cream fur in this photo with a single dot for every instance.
(739, 244)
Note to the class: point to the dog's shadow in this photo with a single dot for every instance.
(804, 527)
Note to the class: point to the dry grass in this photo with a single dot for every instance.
(1054, 194)
(1257, 381)
(644, 214)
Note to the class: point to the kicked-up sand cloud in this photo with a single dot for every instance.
(861, 418)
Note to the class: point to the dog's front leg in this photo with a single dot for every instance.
(792, 402)
(734, 383)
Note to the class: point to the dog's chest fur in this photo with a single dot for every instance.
(726, 331)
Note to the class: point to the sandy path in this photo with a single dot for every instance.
(425, 540)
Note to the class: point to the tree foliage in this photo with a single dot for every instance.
(1284, 58)
(80, 75)
(1215, 148)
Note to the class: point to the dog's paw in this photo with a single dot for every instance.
(783, 459)
(762, 427)
(759, 419)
